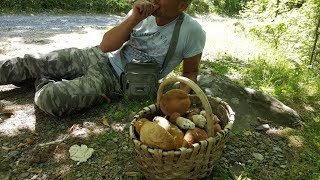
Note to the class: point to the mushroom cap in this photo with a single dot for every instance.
(194, 136)
(138, 124)
(175, 100)
(156, 136)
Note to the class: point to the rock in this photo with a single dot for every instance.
(263, 127)
(252, 104)
(258, 156)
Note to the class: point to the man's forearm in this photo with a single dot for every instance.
(193, 77)
(114, 38)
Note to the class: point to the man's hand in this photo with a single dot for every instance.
(142, 9)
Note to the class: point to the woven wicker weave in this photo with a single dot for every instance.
(185, 163)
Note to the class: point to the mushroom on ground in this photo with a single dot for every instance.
(175, 100)
(181, 122)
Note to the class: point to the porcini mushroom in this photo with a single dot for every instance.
(156, 136)
(181, 122)
(175, 100)
(198, 119)
(138, 124)
(176, 133)
(193, 136)
(217, 128)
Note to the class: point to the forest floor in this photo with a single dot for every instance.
(34, 145)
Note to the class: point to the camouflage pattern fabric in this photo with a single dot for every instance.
(84, 76)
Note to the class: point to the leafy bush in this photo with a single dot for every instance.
(223, 7)
(97, 6)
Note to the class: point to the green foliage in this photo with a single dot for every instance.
(199, 7)
(270, 33)
(96, 6)
(223, 7)
(229, 7)
(288, 26)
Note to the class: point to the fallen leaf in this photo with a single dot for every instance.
(105, 122)
(80, 153)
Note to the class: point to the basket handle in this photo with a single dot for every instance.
(199, 93)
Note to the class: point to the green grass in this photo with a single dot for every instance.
(295, 85)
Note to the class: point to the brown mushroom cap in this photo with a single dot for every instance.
(138, 124)
(175, 100)
(156, 136)
(194, 136)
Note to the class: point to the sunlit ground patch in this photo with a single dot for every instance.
(22, 118)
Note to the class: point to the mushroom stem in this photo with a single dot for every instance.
(198, 120)
(184, 123)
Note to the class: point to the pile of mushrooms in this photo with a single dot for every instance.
(180, 125)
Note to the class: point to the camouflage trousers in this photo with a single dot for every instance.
(68, 80)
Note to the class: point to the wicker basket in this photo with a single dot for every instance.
(185, 163)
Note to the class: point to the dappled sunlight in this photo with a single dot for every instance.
(22, 118)
(7, 87)
(118, 126)
(86, 129)
(19, 46)
(295, 141)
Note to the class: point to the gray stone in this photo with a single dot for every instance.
(252, 103)
(263, 127)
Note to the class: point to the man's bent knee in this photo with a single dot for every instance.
(48, 100)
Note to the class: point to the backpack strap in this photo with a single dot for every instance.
(173, 42)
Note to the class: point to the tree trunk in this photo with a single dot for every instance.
(317, 32)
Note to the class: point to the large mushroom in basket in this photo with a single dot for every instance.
(174, 103)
